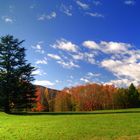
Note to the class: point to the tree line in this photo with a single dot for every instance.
(87, 97)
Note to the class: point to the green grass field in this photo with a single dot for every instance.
(99, 125)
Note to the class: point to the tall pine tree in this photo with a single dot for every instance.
(16, 90)
(133, 96)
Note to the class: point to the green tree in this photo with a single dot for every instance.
(16, 90)
(121, 98)
(133, 96)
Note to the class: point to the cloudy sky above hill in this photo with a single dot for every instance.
(77, 41)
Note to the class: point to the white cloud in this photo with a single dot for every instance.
(7, 19)
(84, 80)
(52, 15)
(66, 9)
(91, 74)
(38, 48)
(78, 56)
(36, 72)
(89, 57)
(134, 56)
(91, 44)
(123, 68)
(57, 81)
(44, 61)
(54, 56)
(114, 47)
(89, 77)
(108, 47)
(124, 62)
(98, 15)
(39, 72)
(122, 82)
(65, 45)
(44, 83)
(82, 5)
(129, 2)
(68, 65)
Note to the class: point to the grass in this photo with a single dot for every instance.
(98, 125)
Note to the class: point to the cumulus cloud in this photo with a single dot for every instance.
(89, 57)
(114, 47)
(85, 56)
(54, 56)
(66, 9)
(98, 15)
(123, 68)
(134, 56)
(75, 52)
(57, 81)
(84, 80)
(68, 65)
(43, 61)
(65, 45)
(91, 44)
(44, 83)
(7, 19)
(39, 72)
(50, 16)
(91, 74)
(89, 77)
(38, 48)
(122, 82)
(107, 47)
(82, 5)
(78, 56)
(36, 72)
(124, 61)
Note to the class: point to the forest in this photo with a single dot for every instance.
(87, 97)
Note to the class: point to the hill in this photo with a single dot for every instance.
(44, 95)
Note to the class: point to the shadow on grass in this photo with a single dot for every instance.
(76, 113)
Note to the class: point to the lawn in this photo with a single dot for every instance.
(99, 125)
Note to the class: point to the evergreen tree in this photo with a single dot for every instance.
(16, 90)
(133, 96)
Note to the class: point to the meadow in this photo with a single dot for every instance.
(97, 125)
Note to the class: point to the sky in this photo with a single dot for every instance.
(74, 42)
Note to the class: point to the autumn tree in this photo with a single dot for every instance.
(62, 102)
(50, 95)
(16, 90)
(41, 101)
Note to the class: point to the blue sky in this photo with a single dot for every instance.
(77, 41)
